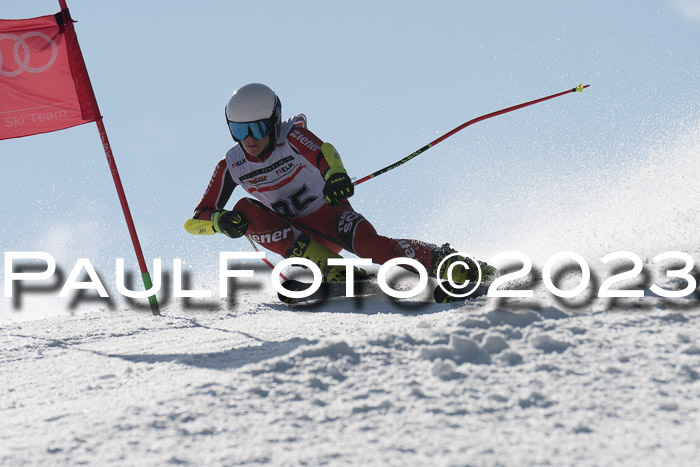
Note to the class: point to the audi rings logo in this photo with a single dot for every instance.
(23, 62)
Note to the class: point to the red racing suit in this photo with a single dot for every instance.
(288, 190)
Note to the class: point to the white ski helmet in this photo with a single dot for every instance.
(252, 103)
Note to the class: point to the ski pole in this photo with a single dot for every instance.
(578, 88)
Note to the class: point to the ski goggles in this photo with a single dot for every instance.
(258, 129)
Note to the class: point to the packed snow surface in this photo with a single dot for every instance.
(366, 382)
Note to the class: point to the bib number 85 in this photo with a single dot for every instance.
(295, 203)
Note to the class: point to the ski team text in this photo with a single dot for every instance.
(34, 117)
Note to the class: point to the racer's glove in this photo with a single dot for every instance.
(338, 187)
(232, 223)
(338, 184)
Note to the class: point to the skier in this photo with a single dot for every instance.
(301, 189)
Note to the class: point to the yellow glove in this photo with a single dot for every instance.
(338, 184)
(232, 223)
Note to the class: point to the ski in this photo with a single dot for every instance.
(444, 292)
(327, 290)
(440, 294)
(369, 286)
(335, 290)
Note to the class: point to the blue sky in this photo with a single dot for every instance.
(377, 79)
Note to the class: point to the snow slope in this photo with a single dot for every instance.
(487, 382)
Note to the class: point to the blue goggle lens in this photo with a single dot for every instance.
(257, 130)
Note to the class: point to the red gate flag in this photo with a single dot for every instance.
(44, 85)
